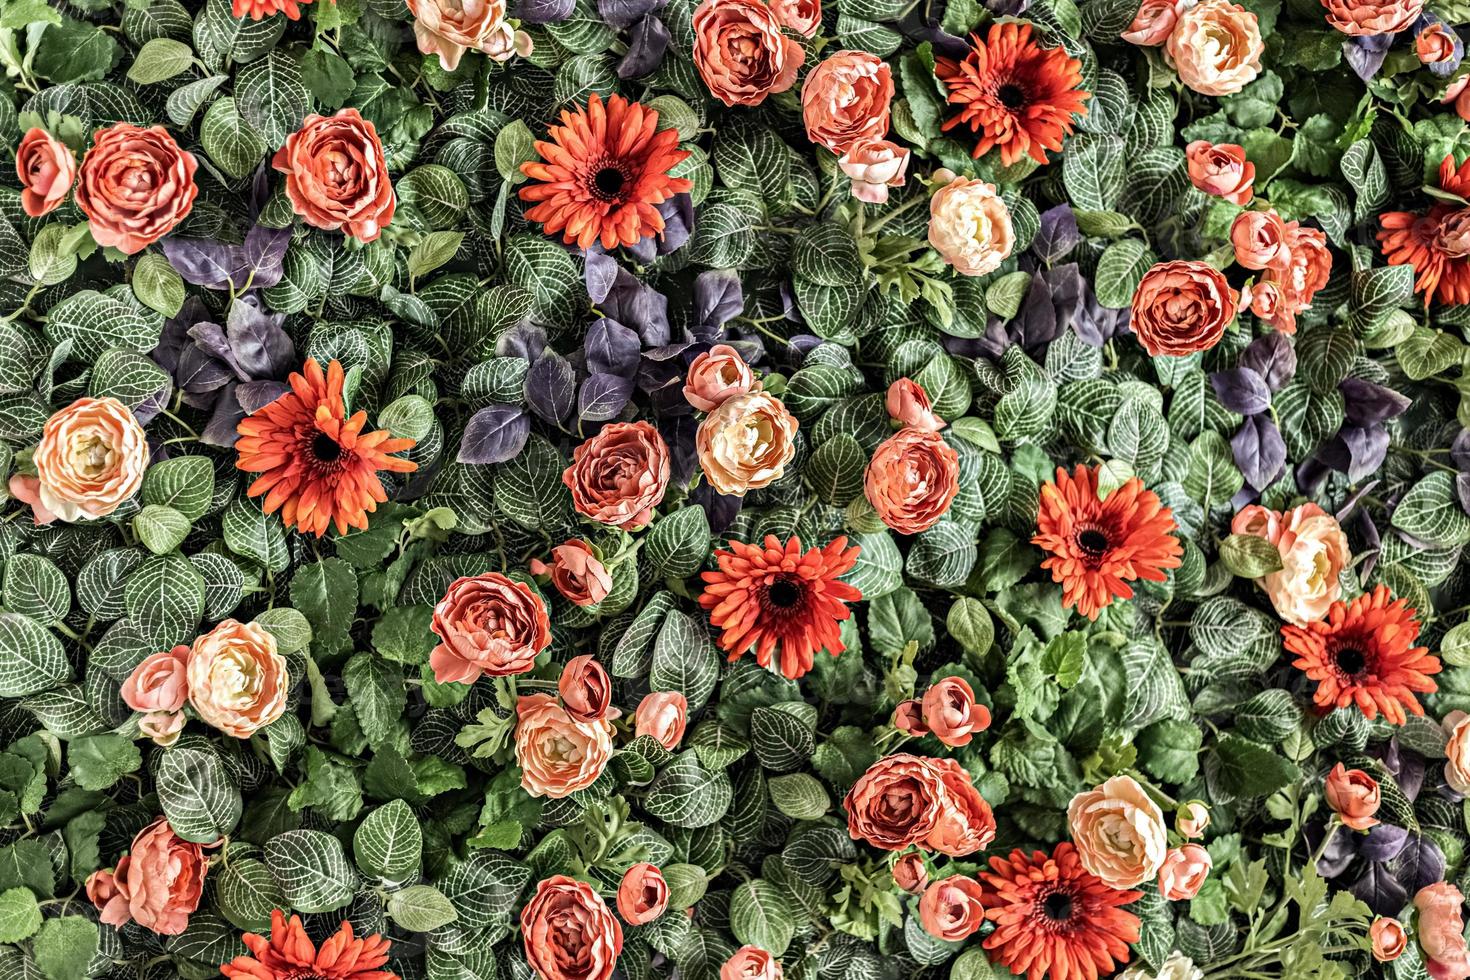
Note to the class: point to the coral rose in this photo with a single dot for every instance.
(1259, 239)
(136, 186)
(237, 679)
(1366, 18)
(846, 100)
(643, 895)
(1221, 170)
(1192, 820)
(910, 874)
(951, 908)
(585, 689)
(746, 443)
(751, 963)
(912, 479)
(449, 28)
(908, 404)
(336, 175)
(801, 16)
(950, 711)
(1216, 47)
(908, 718)
(1442, 930)
(662, 715)
(1354, 796)
(873, 166)
(576, 572)
(1153, 23)
(90, 459)
(1457, 752)
(1435, 45)
(1183, 872)
(1181, 307)
(970, 226)
(741, 53)
(1389, 939)
(159, 687)
(1314, 552)
(46, 168)
(157, 884)
(568, 931)
(558, 755)
(488, 624)
(619, 475)
(1119, 832)
(908, 800)
(716, 375)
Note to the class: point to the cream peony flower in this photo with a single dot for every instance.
(1119, 832)
(1216, 47)
(1457, 752)
(746, 442)
(90, 459)
(1176, 967)
(558, 755)
(237, 680)
(969, 225)
(449, 28)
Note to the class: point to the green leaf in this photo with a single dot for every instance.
(159, 60)
(326, 592)
(311, 869)
(202, 802)
(1243, 768)
(20, 915)
(388, 843)
(761, 916)
(65, 946)
(31, 659)
(36, 588)
(375, 687)
(684, 794)
(161, 529)
(421, 908)
(1169, 750)
(799, 796)
(969, 623)
(72, 51)
(98, 761)
(1249, 556)
(184, 483)
(433, 250)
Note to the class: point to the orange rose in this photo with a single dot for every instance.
(716, 375)
(969, 225)
(90, 460)
(643, 894)
(746, 443)
(662, 715)
(1389, 939)
(908, 404)
(1354, 796)
(1259, 239)
(449, 28)
(576, 572)
(1366, 18)
(558, 755)
(912, 479)
(1457, 752)
(1435, 45)
(157, 884)
(1442, 930)
(951, 909)
(1181, 307)
(237, 680)
(906, 800)
(568, 931)
(159, 687)
(1458, 94)
(136, 186)
(1192, 819)
(1216, 47)
(586, 690)
(845, 100)
(801, 16)
(336, 175)
(751, 963)
(910, 874)
(1308, 272)
(1183, 872)
(741, 53)
(908, 717)
(46, 168)
(1119, 832)
(488, 624)
(619, 475)
(950, 711)
(1221, 170)
(1153, 23)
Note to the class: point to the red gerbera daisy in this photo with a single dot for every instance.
(1098, 546)
(1055, 920)
(317, 466)
(1435, 243)
(1016, 94)
(1363, 654)
(604, 171)
(764, 596)
(290, 955)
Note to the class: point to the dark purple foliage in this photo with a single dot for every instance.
(544, 11)
(719, 508)
(202, 261)
(1259, 451)
(1272, 357)
(1366, 402)
(718, 298)
(262, 255)
(603, 396)
(1356, 450)
(648, 41)
(1241, 390)
(1460, 450)
(599, 272)
(1365, 55)
(678, 215)
(611, 348)
(525, 340)
(1057, 236)
(1462, 490)
(678, 433)
(495, 434)
(1380, 890)
(625, 13)
(551, 388)
(1420, 863)
(1382, 842)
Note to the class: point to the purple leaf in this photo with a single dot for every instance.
(678, 433)
(1241, 390)
(1380, 890)
(720, 509)
(1462, 490)
(611, 348)
(1383, 842)
(255, 395)
(1259, 450)
(1272, 357)
(202, 261)
(1367, 403)
(678, 215)
(544, 11)
(599, 271)
(494, 434)
(198, 372)
(640, 307)
(1058, 234)
(718, 298)
(603, 396)
(211, 339)
(524, 340)
(1420, 864)
(1459, 449)
(259, 345)
(647, 44)
(1364, 449)
(222, 428)
(625, 13)
(262, 254)
(1365, 55)
(551, 388)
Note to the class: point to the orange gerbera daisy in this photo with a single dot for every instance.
(1098, 546)
(764, 596)
(1363, 654)
(1437, 242)
(317, 466)
(1053, 918)
(602, 174)
(290, 955)
(1016, 94)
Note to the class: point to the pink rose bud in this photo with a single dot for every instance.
(1192, 819)
(907, 402)
(643, 894)
(908, 718)
(874, 166)
(910, 874)
(1153, 23)
(1183, 872)
(46, 168)
(716, 375)
(1221, 170)
(1435, 45)
(662, 715)
(1354, 796)
(576, 572)
(1259, 238)
(951, 713)
(586, 690)
(1389, 939)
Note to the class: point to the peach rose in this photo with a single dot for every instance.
(951, 909)
(906, 800)
(1266, 301)
(576, 572)
(1442, 930)
(950, 711)
(751, 963)
(716, 375)
(1389, 938)
(874, 166)
(1457, 752)
(449, 28)
(27, 489)
(619, 475)
(1354, 796)
(1261, 522)
(1192, 819)
(164, 727)
(1183, 872)
(746, 443)
(1366, 18)
(136, 186)
(1453, 236)
(586, 690)
(558, 755)
(237, 680)
(159, 687)
(488, 624)
(1435, 45)
(662, 715)
(912, 479)
(1259, 239)
(1221, 170)
(643, 895)
(741, 53)
(1181, 307)
(908, 718)
(908, 403)
(90, 459)
(336, 175)
(910, 874)
(157, 884)
(1216, 47)
(969, 225)
(46, 168)
(1153, 23)
(801, 16)
(1314, 551)
(1119, 832)
(568, 931)
(846, 100)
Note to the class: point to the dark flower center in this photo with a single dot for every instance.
(1011, 96)
(783, 594)
(1057, 906)
(608, 181)
(1093, 542)
(325, 448)
(1351, 661)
